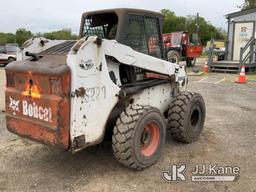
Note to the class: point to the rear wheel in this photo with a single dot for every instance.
(191, 62)
(139, 136)
(186, 116)
(173, 56)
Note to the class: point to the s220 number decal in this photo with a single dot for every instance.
(95, 94)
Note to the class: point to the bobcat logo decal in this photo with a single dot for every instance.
(14, 105)
(86, 65)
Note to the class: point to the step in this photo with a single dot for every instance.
(224, 70)
(225, 65)
(226, 62)
(251, 65)
(231, 63)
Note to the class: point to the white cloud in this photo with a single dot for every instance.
(48, 15)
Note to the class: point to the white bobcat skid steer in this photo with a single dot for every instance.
(73, 94)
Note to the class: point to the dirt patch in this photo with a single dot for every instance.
(228, 139)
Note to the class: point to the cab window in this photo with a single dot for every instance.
(194, 39)
(101, 25)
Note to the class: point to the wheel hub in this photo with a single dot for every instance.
(150, 139)
(195, 117)
(174, 59)
(145, 137)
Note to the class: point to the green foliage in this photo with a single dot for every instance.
(176, 23)
(248, 4)
(19, 37)
(7, 38)
(64, 34)
(22, 35)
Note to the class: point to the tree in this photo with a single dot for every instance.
(10, 38)
(172, 22)
(22, 35)
(7, 38)
(248, 4)
(64, 34)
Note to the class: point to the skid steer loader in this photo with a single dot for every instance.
(114, 80)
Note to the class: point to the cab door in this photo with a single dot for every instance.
(194, 48)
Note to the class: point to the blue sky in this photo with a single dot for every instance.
(49, 15)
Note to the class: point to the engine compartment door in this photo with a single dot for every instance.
(37, 102)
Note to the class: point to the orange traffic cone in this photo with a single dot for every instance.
(205, 69)
(242, 78)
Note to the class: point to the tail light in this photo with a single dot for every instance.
(31, 89)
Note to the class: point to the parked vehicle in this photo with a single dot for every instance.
(182, 46)
(8, 53)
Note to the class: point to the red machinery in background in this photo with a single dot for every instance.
(182, 46)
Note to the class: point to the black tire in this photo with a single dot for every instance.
(191, 62)
(186, 117)
(173, 56)
(130, 136)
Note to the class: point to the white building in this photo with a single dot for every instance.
(241, 28)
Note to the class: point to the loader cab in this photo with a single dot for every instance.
(191, 44)
(138, 29)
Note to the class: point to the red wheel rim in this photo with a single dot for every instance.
(150, 138)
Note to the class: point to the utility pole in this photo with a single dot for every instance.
(186, 5)
(197, 26)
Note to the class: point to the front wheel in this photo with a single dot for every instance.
(139, 136)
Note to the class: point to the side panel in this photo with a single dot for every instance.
(158, 96)
(94, 95)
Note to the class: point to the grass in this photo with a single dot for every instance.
(251, 77)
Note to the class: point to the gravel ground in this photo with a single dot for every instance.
(228, 139)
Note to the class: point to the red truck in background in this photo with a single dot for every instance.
(182, 46)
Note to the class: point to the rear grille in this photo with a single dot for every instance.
(60, 49)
